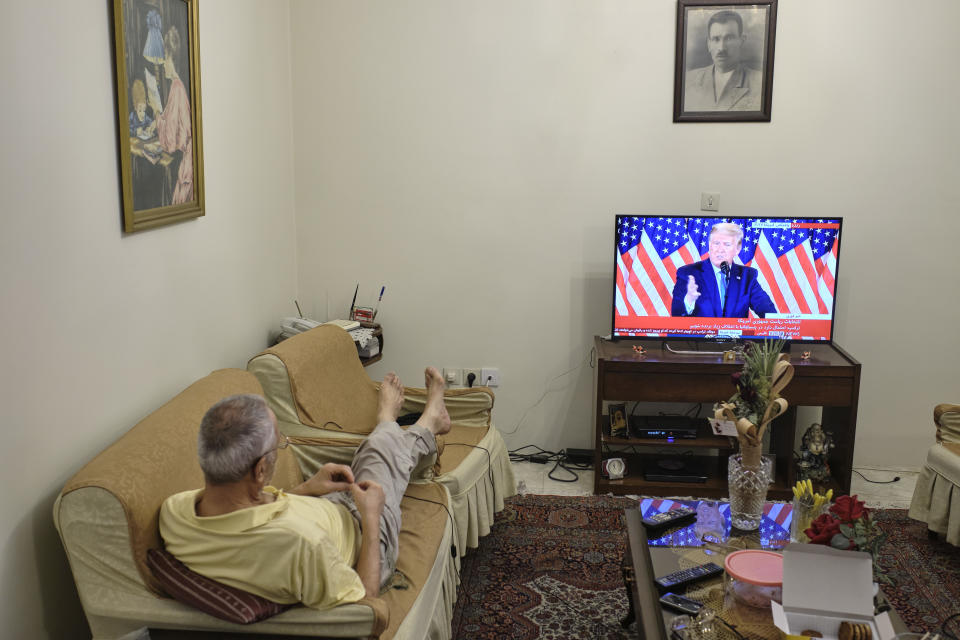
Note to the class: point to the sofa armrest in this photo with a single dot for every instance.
(467, 407)
(381, 614)
(947, 419)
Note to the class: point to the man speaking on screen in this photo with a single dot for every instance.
(718, 287)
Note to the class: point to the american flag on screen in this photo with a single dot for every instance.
(797, 265)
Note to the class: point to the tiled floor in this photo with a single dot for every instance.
(895, 495)
(535, 478)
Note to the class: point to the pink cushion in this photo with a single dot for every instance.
(209, 596)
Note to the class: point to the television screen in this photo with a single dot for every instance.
(725, 278)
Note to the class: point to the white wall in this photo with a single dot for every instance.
(472, 155)
(99, 328)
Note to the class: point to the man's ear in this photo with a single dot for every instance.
(259, 470)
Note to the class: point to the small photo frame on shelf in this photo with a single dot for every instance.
(618, 421)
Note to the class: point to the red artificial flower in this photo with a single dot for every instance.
(746, 392)
(847, 509)
(823, 529)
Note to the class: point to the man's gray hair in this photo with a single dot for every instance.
(729, 228)
(234, 434)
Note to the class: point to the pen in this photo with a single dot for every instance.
(353, 304)
(376, 308)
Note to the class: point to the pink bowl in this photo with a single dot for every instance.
(764, 568)
(755, 577)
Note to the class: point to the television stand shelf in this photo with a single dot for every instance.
(829, 379)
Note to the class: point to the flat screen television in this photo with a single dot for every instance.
(709, 278)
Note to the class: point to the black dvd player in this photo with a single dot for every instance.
(666, 427)
(693, 469)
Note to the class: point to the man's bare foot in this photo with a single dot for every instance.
(391, 398)
(435, 416)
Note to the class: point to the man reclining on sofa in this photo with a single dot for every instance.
(292, 547)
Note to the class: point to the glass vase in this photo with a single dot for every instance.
(748, 491)
(803, 514)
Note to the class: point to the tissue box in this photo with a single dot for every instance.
(823, 587)
(372, 349)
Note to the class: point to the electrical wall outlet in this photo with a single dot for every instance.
(490, 377)
(452, 376)
(709, 201)
(476, 377)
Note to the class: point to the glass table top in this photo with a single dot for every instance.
(712, 525)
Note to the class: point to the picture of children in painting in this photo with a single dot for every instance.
(141, 124)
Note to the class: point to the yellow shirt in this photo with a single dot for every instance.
(295, 549)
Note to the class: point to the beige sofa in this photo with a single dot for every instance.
(107, 519)
(936, 497)
(326, 403)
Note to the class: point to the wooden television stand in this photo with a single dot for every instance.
(829, 379)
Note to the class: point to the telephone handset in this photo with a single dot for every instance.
(292, 326)
(298, 325)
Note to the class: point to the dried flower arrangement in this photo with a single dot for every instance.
(766, 371)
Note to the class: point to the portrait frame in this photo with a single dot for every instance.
(157, 84)
(695, 98)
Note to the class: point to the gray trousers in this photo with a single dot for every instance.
(387, 457)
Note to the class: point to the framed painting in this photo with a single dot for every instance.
(724, 64)
(158, 107)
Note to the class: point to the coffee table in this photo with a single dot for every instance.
(647, 559)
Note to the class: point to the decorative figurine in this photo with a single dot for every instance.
(711, 525)
(816, 446)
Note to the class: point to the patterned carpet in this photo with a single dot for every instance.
(925, 573)
(551, 569)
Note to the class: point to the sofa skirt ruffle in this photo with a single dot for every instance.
(479, 488)
(936, 501)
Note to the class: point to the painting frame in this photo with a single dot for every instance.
(160, 139)
(709, 52)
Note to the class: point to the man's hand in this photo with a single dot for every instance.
(693, 291)
(369, 498)
(330, 478)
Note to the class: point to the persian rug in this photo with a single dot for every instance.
(925, 572)
(550, 568)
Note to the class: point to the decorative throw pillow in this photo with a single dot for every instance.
(217, 599)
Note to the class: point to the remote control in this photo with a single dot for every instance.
(680, 604)
(671, 518)
(678, 580)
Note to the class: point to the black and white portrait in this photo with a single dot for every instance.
(724, 60)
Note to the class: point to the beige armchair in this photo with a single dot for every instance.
(326, 403)
(936, 499)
